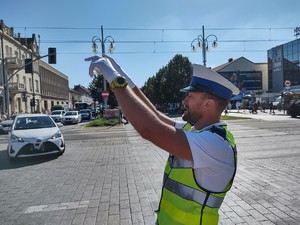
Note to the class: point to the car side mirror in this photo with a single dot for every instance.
(59, 124)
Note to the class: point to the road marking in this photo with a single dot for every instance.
(55, 207)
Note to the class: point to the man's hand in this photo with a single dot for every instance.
(120, 71)
(102, 66)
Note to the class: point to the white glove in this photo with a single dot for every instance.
(120, 71)
(102, 66)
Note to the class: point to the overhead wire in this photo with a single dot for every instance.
(163, 30)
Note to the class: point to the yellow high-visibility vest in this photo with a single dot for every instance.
(183, 200)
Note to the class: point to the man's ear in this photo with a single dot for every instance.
(209, 102)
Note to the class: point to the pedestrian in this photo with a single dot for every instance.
(122, 116)
(229, 106)
(271, 108)
(4, 116)
(254, 108)
(238, 105)
(226, 112)
(202, 152)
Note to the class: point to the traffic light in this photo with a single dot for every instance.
(52, 55)
(28, 66)
(32, 102)
(24, 96)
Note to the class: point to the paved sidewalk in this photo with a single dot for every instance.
(279, 115)
(266, 189)
(112, 176)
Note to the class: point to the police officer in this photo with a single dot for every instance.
(202, 152)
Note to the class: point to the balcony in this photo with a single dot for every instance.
(15, 88)
(13, 63)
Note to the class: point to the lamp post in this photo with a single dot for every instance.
(102, 40)
(202, 42)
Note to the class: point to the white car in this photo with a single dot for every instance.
(57, 115)
(34, 135)
(5, 125)
(71, 117)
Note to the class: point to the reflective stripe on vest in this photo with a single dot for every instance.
(193, 194)
(182, 163)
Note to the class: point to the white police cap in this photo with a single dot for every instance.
(205, 79)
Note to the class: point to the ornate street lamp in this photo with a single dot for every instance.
(111, 48)
(202, 42)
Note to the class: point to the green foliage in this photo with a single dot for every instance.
(103, 122)
(233, 118)
(165, 86)
(161, 89)
(96, 87)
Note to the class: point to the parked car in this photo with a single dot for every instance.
(94, 113)
(294, 109)
(85, 114)
(34, 135)
(277, 104)
(57, 115)
(5, 125)
(71, 117)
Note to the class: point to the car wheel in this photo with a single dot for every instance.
(10, 158)
(63, 151)
(293, 114)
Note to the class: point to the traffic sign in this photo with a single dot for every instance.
(287, 83)
(104, 94)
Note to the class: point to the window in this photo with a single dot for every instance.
(24, 82)
(30, 84)
(36, 86)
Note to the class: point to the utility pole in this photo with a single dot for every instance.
(202, 42)
(5, 94)
(33, 92)
(102, 40)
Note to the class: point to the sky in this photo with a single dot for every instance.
(148, 34)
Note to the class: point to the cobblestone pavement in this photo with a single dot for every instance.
(112, 176)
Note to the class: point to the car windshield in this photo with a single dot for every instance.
(71, 114)
(38, 122)
(56, 113)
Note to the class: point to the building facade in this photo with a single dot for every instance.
(24, 88)
(54, 87)
(284, 66)
(74, 97)
(85, 94)
(19, 88)
(249, 77)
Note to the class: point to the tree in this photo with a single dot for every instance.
(164, 88)
(95, 88)
(161, 89)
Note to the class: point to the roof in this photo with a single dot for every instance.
(31, 115)
(230, 62)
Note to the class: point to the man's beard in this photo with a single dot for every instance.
(186, 116)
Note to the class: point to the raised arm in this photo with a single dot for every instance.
(142, 114)
(137, 91)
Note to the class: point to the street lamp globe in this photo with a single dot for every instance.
(111, 47)
(194, 49)
(214, 44)
(95, 48)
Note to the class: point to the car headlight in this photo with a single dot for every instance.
(56, 135)
(15, 138)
